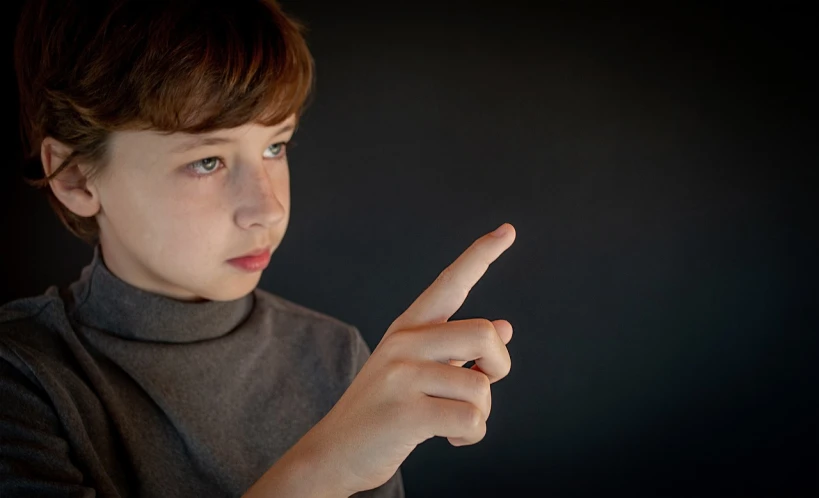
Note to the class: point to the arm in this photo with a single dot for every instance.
(298, 473)
(34, 457)
(394, 487)
(304, 471)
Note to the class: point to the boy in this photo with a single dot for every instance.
(162, 130)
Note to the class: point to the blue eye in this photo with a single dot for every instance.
(277, 147)
(204, 168)
(208, 166)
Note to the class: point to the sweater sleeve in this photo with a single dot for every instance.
(34, 457)
(394, 487)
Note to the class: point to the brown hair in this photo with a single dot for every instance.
(88, 68)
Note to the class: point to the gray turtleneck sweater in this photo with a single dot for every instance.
(111, 391)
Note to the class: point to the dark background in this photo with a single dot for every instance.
(659, 165)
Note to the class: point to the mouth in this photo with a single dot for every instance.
(254, 253)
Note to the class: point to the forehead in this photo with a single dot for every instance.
(178, 142)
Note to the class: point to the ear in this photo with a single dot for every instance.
(70, 186)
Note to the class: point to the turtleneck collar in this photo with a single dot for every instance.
(101, 300)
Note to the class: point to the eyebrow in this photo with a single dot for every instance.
(201, 141)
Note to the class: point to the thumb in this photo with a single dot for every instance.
(504, 329)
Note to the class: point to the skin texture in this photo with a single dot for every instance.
(166, 230)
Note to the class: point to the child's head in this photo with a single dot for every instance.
(137, 97)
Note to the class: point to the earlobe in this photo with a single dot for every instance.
(70, 186)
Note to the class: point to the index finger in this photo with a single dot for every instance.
(448, 292)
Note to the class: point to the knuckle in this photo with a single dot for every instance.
(488, 407)
(446, 276)
(481, 383)
(399, 371)
(472, 417)
(486, 329)
(507, 365)
(480, 430)
(395, 343)
(395, 325)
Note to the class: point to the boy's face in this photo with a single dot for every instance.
(166, 230)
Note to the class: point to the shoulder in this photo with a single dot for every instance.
(24, 319)
(24, 308)
(30, 329)
(36, 454)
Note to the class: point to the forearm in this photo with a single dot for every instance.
(300, 472)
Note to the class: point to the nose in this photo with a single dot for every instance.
(258, 204)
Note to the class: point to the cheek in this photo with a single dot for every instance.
(282, 187)
(282, 191)
(186, 220)
(183, 239)
(130, 207)
(195, 223)
(163, 220)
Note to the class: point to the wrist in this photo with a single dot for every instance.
(303, 471)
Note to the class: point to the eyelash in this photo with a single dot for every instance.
(192, 166)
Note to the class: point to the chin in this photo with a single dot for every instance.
(239, 288)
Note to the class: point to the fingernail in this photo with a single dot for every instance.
(500, 231)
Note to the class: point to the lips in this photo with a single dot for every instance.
(257, 252)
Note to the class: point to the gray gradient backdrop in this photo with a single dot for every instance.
(659, 166)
